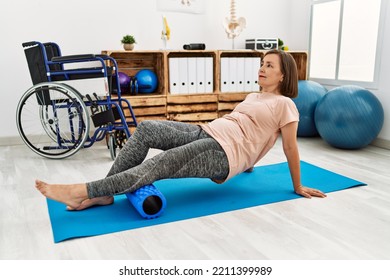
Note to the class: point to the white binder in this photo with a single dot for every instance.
(200, 75)
(183, 75)
(240, 74)
(192, 83)
(256, 66)
(224, 72)
(174, 75)
(232, 74)
(209, 74)
(248, 65)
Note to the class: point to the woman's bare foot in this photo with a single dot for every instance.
(71, 195)
(104, 200)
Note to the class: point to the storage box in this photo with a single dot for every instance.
(261, 44)
(132, 62)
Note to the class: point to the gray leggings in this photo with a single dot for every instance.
(188, 151)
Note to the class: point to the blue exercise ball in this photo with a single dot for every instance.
(309, 93)
(349, 117)
(146, 81)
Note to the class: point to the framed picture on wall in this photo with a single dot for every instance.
(181, 6)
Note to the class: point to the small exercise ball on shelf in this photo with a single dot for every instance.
(146, 80)
(349, 117)
(309, 94)
(124, 82)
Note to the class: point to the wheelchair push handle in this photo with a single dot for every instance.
(29, 44)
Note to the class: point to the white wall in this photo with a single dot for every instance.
(88, 27)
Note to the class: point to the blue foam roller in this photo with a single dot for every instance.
(148, 201)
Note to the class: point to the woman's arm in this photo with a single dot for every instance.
(290, 148)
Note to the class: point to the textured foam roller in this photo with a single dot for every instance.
(148, 201)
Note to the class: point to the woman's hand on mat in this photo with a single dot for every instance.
(309, 192)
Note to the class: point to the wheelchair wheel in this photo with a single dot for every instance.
(112, 145)
(121, 138)
(53, 120)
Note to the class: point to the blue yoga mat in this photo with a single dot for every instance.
(194, 197)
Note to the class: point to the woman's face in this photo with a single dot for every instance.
(270, 74)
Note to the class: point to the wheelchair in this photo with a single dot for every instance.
(55, 120)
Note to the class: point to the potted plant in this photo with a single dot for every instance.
(128, 42)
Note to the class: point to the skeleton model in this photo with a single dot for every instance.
(232, 25)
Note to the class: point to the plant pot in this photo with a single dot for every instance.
(128, 47)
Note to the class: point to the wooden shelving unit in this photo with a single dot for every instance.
(193, 107)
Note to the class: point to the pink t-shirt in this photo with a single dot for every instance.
(251, 130)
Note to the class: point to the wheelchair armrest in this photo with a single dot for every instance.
(68, 58)
(84, 70)
(102, 56)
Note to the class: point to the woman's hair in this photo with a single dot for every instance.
(289, 85)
